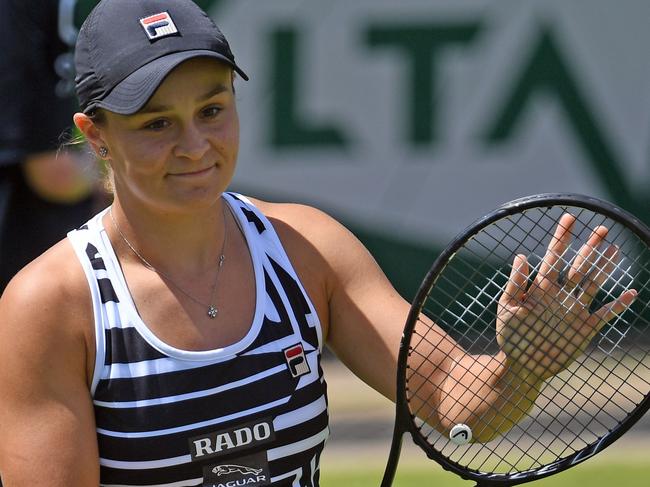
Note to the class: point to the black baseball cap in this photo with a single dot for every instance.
(126, 48)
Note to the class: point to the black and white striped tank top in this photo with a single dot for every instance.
(250, 414)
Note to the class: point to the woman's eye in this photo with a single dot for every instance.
(211, 111)
(157, 125)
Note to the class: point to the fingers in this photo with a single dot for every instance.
(584, 260)
(598, 273)
(614, 308)
(518, 282)
(550, 269)
(590, 268)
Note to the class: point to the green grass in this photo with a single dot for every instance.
(597, 475)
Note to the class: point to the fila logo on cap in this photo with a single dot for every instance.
(158, 26)
(295, 357)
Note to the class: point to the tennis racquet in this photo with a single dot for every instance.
(581, 255)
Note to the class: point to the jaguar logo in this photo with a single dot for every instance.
(228, 469)
(249, 471)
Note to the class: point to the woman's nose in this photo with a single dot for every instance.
(192, 143)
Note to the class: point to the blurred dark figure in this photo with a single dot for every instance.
(44, 192)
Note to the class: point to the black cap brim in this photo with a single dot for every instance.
(133, 92)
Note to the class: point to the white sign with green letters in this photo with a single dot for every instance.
(412, 118)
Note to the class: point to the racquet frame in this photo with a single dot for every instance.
(404, 422)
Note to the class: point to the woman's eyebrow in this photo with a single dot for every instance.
(220, 88)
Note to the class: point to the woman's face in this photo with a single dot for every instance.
(179, 151)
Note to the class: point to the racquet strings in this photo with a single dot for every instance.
(580, 405)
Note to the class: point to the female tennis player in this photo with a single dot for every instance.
(175, 339)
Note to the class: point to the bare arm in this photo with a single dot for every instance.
(490, 393)
(46, 415)
(362, 314)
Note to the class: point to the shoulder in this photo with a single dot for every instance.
(47, 306)
(298, 224)
(318, 243)
(305, 220)
(53, 277)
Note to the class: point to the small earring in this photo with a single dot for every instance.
(103, 152)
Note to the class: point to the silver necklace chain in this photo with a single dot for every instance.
(212, 310)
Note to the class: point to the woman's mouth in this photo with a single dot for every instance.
(193, 172)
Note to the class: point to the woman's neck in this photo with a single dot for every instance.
(182, 244)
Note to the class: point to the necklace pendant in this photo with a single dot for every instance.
(212, 312)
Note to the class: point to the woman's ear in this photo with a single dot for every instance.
(91, 131)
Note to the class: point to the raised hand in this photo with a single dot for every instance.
(545, 325)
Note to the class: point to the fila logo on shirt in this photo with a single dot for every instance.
(158, 26)
(296, 360)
